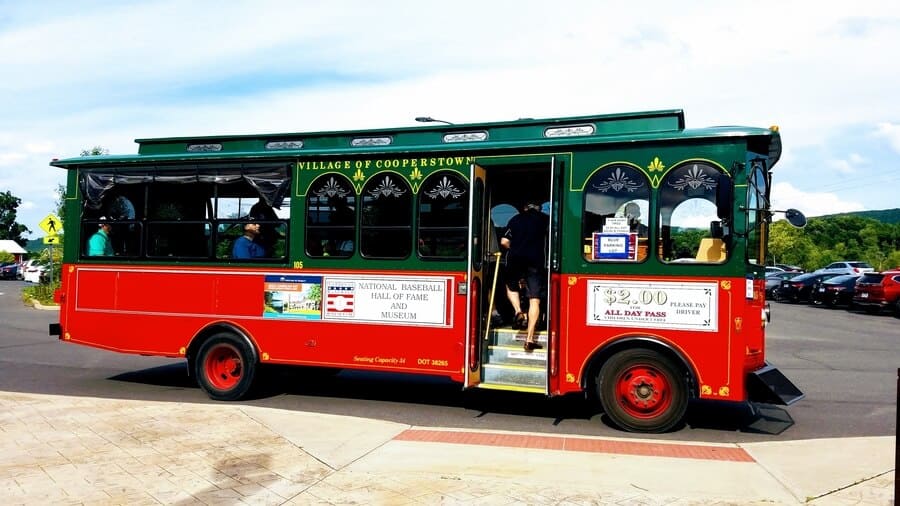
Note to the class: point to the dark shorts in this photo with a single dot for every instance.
(533, 277)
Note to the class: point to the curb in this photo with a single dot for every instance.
(38, 305)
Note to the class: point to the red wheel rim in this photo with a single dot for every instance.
(644, 391)
(223, 367)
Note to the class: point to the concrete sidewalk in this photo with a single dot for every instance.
(76, 450)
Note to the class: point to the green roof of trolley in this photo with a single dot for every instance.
(553, 133)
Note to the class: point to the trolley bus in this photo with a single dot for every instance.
(380, 252)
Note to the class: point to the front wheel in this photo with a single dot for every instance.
(225, 367)
(643, 391)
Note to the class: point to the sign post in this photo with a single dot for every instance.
(52, 225)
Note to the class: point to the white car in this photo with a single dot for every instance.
(34, 273)
(854, 267)
(24, 265)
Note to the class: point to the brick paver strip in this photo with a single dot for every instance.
(651, 449)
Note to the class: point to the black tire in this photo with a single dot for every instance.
(226, 366)
(643, 391)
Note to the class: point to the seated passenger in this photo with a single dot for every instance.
(247, 245)
(100, 244)
(267, 233)
(633, 213)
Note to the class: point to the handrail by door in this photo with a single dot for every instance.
(490, 311)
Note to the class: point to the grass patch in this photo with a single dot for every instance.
(42, 293)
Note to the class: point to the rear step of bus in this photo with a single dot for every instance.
(768, 385)
(507, 366)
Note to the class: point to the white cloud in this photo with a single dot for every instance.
(849, 165)
(786, 196)
(890, 132)
(11, 158)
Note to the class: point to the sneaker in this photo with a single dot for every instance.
(521, 321)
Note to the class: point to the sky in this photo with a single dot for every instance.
(78, 74)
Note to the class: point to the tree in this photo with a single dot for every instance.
(9, 229)
(61, 202)
(791, 245)
(94, 151)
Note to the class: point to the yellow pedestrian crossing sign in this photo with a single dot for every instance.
(51, 239)
(52, 225)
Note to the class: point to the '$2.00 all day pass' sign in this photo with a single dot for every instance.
(685, 306)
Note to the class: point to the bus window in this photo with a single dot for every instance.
(124, 232)
(176, 220)
(185, 214)
(688, 226)
(386, 220)
(616, 207)
(443, 203)
(331, 217)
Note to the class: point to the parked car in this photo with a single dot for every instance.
(854, 267)
(789, 268)
(878, 290)
(35, 273)
(773, 283)
(798, 288)
(23, 267)
(9, 270)
(771, 269)
(836, 291)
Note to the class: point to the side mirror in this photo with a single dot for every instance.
(724, 197)
(795, 218)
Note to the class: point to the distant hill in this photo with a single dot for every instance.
(36, 245)
(885, 215)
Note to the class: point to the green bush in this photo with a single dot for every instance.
(42, 293)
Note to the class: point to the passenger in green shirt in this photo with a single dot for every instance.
(99, 243)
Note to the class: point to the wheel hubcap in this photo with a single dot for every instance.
(644, 392)
(223, 367)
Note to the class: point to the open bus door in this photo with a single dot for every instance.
(475, 317)
(551, 308)
(496, 359)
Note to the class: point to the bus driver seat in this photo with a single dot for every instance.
(712, 249)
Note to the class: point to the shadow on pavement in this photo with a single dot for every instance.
(285, 387)
(173, 376)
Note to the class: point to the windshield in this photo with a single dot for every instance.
(757, 206)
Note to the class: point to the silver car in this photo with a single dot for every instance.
(851, 267)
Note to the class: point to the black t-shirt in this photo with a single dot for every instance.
(527, 234)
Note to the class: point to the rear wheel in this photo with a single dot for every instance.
(225, 367)
(643, 391)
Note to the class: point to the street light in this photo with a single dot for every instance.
(429, 119)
